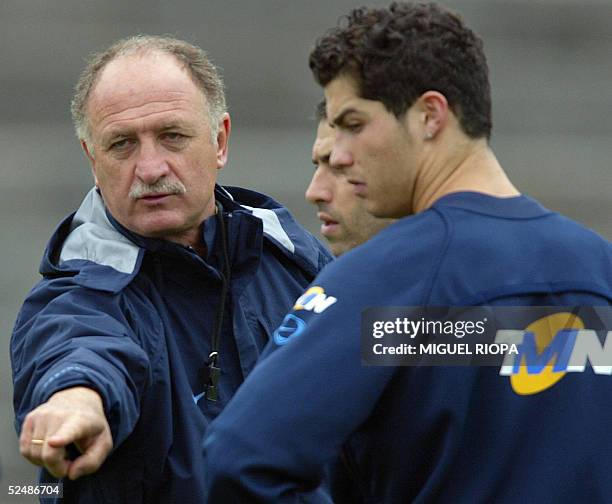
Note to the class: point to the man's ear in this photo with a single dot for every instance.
(225, 128)
(435, 110)
(92, 159)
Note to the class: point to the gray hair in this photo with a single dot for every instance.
(195, 60)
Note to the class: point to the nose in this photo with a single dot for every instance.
(319, 191)
(151, 164)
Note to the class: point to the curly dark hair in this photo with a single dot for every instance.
(398, 53)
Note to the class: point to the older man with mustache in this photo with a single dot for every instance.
(158, 293)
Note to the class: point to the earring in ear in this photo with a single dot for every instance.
(428, 135)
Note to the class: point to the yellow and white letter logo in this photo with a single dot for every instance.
(315, 300)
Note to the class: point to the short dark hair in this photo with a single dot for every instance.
(398, 53)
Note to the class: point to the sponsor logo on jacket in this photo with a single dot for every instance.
(551, 347)
(315, 300)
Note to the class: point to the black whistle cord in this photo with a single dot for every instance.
(214, 371)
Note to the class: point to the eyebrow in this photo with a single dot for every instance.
(164, 126)
(337, 121)
(173, 124)
(118, 132)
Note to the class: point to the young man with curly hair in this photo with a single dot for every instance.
(408, 94)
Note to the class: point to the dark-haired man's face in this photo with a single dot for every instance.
(346, 223)
(378, 153)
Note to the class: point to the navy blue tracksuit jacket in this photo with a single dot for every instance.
(428, 434)
(132, 318)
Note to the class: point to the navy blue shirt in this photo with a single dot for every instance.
(425, 434)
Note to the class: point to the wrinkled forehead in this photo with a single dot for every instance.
(141, 74)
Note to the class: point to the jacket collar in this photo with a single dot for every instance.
(91, 239)
(280, 228)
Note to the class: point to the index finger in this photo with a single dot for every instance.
(55, 460)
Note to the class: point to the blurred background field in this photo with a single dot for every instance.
(552, 100)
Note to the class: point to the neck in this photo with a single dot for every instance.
(192, 237)
(469, 165)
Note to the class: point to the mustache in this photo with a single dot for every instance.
(140, 189)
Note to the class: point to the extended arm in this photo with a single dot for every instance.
(78, 376)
